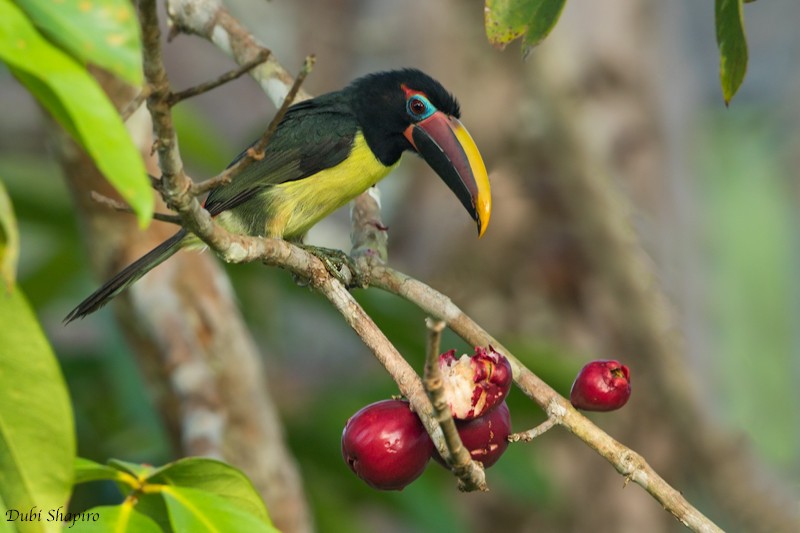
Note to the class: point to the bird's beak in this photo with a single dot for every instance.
(446, 145)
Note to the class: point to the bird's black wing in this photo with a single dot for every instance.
(314, 135)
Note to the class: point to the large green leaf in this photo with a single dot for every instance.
(9, 240)
(732, 45)
(507, 20)
(103, 32)
(37, 442)
(78, 103)
(114, 519)
(215, 477)
(199, 512)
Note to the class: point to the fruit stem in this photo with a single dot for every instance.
(470, 473)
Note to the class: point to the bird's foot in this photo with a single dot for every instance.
(339, 264)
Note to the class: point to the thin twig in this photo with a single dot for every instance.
(122, 207)
(470, 473)
(256, 151)
(135, 104)
(176, 97)
(527, 436)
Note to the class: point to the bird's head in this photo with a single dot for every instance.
(408, 110)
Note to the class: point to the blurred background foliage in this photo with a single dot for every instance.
(726, 248)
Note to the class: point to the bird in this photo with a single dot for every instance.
(326, 151)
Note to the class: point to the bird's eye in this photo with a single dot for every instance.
(419, 107)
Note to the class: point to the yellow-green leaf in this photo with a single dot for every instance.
(203, 512)
(732, 44)
(86, 470)
(9, 240)
(37, 435)
(103, 32)
(78, 103)
(215, 477)
(507, 20)
(113, 519)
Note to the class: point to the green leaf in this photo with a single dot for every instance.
(9, 240)
(103, 32)
(732, 44)
(154, 507)
(78, 103)
(507, 20)
(214, 477)
(86, 470)
(114, 519)
(199, 511)
(37, 439)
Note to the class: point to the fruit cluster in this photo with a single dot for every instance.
(386, 445)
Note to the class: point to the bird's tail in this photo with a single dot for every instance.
(127, 276)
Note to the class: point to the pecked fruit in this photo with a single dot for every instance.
(386, 445)
(475, 385)
(601, 386)
(486, 437)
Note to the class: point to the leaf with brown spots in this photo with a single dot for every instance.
(533, 20)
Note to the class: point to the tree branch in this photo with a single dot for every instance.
(176, 186)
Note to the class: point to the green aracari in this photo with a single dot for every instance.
(324, 153)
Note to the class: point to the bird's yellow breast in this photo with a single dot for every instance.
(302, 203)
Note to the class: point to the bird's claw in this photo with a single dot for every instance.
(339, 264)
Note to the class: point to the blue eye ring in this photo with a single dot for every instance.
(419, 114)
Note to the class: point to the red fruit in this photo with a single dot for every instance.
(601, 386)
(386, 445)
(475, 385)
(486, 437)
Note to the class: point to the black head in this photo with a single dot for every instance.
(384, 110)
(408, 110)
